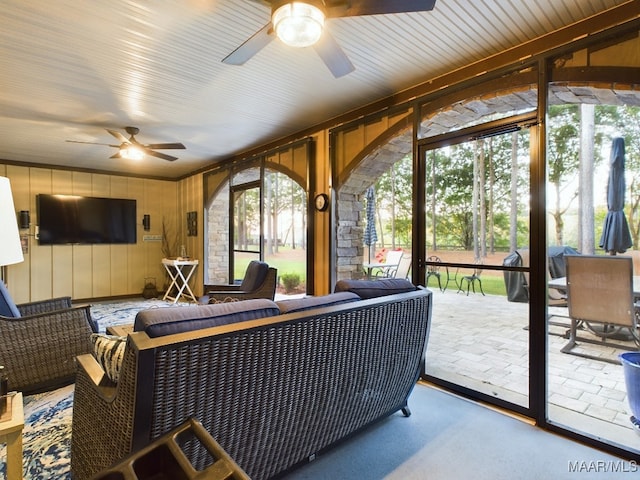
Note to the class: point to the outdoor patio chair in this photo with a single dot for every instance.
(259, 282)
(600, 297)
(433, 270)
(404, 267)
(471, 280)
(392, 262)
(40, 341)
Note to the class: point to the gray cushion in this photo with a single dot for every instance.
(308, 303)
(375, 288)
(7, 306)
(254, 276)
(158, 322)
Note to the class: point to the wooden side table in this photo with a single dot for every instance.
(11, 434)
(180, 272)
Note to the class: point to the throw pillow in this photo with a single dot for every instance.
(109, 352)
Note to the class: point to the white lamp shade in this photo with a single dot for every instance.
(10, 247)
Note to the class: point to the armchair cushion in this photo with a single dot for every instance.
(157, 322)
(308, 303)
(109, 351)
(7, 307)
(254, 276)
(375, 288)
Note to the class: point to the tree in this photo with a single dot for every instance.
(563, 161)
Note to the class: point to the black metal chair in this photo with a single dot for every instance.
(433, 270)
(471, 281)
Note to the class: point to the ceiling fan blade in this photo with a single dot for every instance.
(165, 146)
(116, 155)
(121, 138)
(250, 47)
(354, 8)
(92, 143)
(160, 155)
(333, 56)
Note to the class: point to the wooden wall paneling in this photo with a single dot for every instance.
(322, 220)
(136, 268)
(101, 254)
(61, 255)
(18, 274)
(42, 275)
(159, 201)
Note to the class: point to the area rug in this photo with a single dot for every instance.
(108, 314)
(47, 432)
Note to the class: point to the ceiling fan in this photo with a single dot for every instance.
(131, 149)
(300, 24)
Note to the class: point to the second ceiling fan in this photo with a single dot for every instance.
(301, 24)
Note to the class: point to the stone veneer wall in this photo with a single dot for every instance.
(218, 238)
(350, 214)
(350, 203)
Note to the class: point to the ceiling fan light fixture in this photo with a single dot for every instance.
(131, 152)
(298, 24)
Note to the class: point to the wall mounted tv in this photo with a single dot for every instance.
(70, 219)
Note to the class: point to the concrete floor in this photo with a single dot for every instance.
(481, 342)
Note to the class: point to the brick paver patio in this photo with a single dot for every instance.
(482, 342)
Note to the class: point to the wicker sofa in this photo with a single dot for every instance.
(273, 389)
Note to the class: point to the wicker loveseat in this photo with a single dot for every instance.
(272, 391)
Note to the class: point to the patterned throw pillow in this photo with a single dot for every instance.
(109, 352)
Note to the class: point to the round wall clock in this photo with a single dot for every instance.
(322, 202)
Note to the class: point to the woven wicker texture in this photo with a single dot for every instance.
(39, 348)
(271, 395)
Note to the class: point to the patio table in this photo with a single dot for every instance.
(560, 283)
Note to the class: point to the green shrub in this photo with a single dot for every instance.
(290, 281)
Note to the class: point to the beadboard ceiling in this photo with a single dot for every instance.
(71, 68)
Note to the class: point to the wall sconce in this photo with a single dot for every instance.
(146, 222)
(24, 219)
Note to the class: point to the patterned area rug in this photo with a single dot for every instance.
(46, 438)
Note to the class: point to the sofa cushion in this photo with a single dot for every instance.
(7, 307)
(308, 303)
(375, 288)
(109, 352)
(157, 322)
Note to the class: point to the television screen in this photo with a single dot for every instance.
(70, 219)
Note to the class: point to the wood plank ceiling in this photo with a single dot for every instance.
(71, 68)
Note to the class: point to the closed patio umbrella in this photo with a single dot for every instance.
(616, 237)
(370, 236)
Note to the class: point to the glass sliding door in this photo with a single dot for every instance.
(477, 187)
(593, 173)
(246, 228)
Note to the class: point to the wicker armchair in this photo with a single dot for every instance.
(40, 341)
(259, 282)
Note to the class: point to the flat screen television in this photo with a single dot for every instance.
(71, 219)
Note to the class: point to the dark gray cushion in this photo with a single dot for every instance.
(7, 306)
(158, 322)
(308, 303)
(254, 276)
(375, 288)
